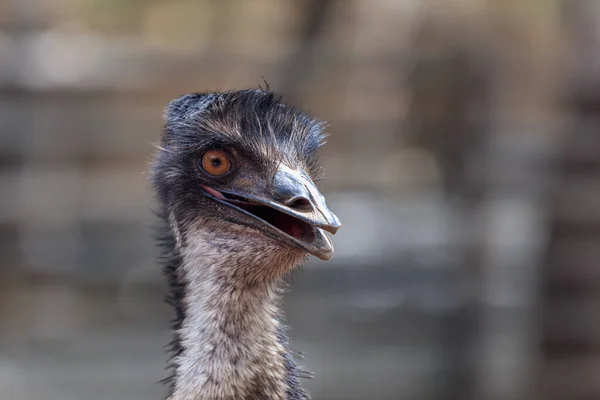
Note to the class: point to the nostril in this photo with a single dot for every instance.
(299, 203)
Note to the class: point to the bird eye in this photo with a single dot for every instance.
(216, 163)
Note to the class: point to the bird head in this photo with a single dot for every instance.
(243, 163)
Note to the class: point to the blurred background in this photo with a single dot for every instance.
(464, 162)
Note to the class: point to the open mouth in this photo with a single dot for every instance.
(286, 223)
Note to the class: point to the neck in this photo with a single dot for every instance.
(228, 337)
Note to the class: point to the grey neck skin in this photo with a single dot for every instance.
(230, 347)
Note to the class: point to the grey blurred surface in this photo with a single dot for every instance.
(463, 162)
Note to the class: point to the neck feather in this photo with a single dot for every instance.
(228, 340)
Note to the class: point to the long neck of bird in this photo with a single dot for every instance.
(227, 336)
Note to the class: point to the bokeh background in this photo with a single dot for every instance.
(464, 162)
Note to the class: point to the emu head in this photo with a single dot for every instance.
(241, 169)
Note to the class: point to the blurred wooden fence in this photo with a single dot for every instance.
(463, 105)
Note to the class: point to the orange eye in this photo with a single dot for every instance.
(215, 162)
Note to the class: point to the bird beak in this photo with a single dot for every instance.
(302, 199)
(297, 195)
(293, 211)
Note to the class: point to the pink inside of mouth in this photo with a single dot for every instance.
(284, 222)
(214, 193)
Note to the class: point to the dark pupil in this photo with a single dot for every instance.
(215, 161)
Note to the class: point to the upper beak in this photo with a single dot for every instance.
(302, 199)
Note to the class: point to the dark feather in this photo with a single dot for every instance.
(266, 130)
(171, 261)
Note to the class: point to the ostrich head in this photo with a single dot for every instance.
(241, 168)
